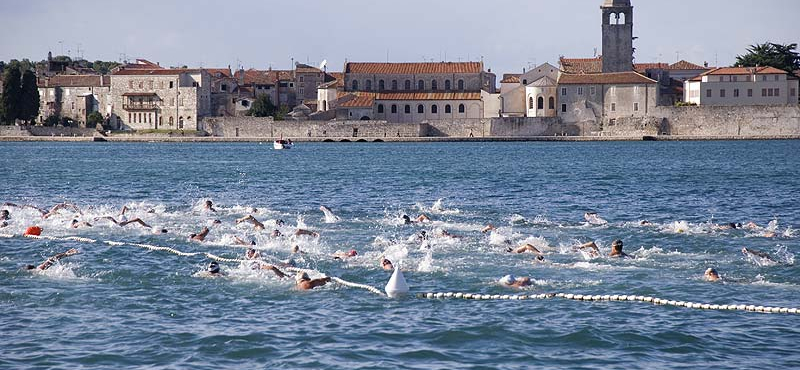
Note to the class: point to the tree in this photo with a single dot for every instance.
(783, 57)
(29, 98)
(12, 91)
(262, 107)
(93, 119)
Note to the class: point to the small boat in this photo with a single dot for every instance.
(282, 144)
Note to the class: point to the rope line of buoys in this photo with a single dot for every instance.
(627, 298)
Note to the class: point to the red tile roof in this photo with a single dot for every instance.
(510, 78)
(414, 68)
(357, 101)
(744, 71)
(303, 68)
(430, 96)
(686, 65)
(643, 67)
(142, 64)
(155, 72)
(334, 80)
(619, 78)
(75, 81)
(581, 65)
(224, 72)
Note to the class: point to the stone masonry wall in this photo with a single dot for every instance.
(268, 128)
(730, 121)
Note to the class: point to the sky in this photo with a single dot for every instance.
(508, 34)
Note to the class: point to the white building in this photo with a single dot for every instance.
(742, 86)
(530, 94)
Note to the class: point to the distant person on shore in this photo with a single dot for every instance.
(711, 275)
(52, 260)
(306, 283)
(201, 236)
(212, 271)
(249, 218)
(515, 282)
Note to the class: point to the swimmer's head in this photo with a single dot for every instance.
(74, 221)
(406, 219)
(711, 274)
(216, 222)
(302, 276)
(616, 245)
(213, 267)
(732, 225)
(192, 236)
(279, 222)
(352, 253)
(4, 214)
(508, 280)
(160, 231)
(28, 267)
(295, 248)
(386, 263)
(540, 258)
(251, 253)
(209, 204)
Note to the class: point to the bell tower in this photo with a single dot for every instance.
(617, 36)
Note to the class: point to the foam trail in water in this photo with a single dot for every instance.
(330, 218)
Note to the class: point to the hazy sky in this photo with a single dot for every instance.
(509, 34)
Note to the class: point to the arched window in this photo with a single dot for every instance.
(461, 84)
(461, 108)
(525, 82)
(355, 85)
(381, 85)
(540, 103)
(394, 108)
(189, 119)
(380, 108)
(408, 85)
(434, 109)
(394, 84)
(434, 85)
(530, 103)
(171, 121)
(408, 109)
(621, 18)
(551, 103)
(420, 85)
(180, 122)
(420, 108)
(161, 121)
(612, 18)
(447, 109)
(447, 85)
(368, 85)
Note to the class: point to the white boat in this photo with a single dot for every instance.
(282, 144)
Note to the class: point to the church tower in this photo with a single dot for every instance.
(617, 36)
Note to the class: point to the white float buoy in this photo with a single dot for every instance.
(429, 296)
(792, 310)
(458, 295)
(397, 286)
(439, 295)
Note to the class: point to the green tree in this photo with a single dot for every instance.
(12, 91)
(103, 67)
(783, 57)
(93, 119)
(262, 107)
(51, 121)
(29, 98)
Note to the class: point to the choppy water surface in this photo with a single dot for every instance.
(122, 306)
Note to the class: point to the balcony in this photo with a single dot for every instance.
(129, 106)
(140, 101)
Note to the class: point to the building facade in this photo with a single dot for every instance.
(617, 36)
(742, 86)
(605, 96)
(74, 97)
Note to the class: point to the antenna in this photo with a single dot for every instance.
(323, 64)
(677, 56)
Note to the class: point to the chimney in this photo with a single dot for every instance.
(705, 64)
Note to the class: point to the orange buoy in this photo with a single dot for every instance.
(33, 230)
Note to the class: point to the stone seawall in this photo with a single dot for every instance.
(256, 127)
(750, 121)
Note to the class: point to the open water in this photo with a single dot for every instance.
(128, 307)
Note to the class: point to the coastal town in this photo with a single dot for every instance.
(610, 94)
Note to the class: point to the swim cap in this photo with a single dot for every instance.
(352, 253)
(301, 276)
(508, 280)
(616, 243)
(213, 267)
(33, 230)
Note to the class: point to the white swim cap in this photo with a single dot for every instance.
(508, 280)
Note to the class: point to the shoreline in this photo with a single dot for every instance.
(216, 139)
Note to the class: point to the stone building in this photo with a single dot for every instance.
(683, 70)
(307, 79)
(601, 97)
(617, 36)
(74, 97)
(742, 86)
(530, 94)
(166, 99)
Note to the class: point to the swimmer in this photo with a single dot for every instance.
(751, 226)
(216, 222)
(514, 282)
(305, 283)
(212, 271)
(279, 222)
(209, 206)
(759, 254)
(729, 226)
(53, 211)
(594, 219)
(78, 224)
(252, 254)
(329, 216)
(306, 232)
(201, 236)
(488, 228)
(52, 260)
(296, 250)
(339, 255)
(711, 275)
(239, 241)
(125, 222)
(616, 250)
(159, 231)
(421, 218)
(525, 248)
(446, 234)
(386, 264)
(645, 223)
(249, 218)
(275, 233)
(422, 235)
(5, 215)
(593, 251)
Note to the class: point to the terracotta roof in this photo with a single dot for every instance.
(509, 78)
(75, 81)
(304, 68)
(357, 101)
(543, 82)
(619, 78)
(643, 67)
(142, 64)
(744, 71)
(581, 65)
(414, 68)
(686, 65)
(224, 72)
(155, 72)
(333, 79)
(430, 96)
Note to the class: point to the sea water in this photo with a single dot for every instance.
(126, 306)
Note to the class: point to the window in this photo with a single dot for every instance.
(540, 103)
(129, 117)
(447, 109)
(368, 85)
(777, 92)
(530, 103)
(635, 107)
(381, 85)
(301, 78)
(355, 85)
(770, 92)
(420, 109)
(749, 93)
(223, 87)
(563, 91)
(777, 77)
(461, 84)
(380, 108)
(793, 92)
(613, 107)
(171, 84)
(434, 85)
(408, 109)
(735, 93)
(394, 84)
(420, 85)
(434, 109)
(301, 91)
(708, 93)
(580, 90)
(394, 108)
(721, 78)
(592, 90)
(171, 121)
(551, 103)
(141, 84)
(563, 108)
(763, 78)
(734, 78)
(525, 82)
(763, 92)
(636, 90)
(722, 93)
(408, 85)
(447, 85)
(461, 108)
